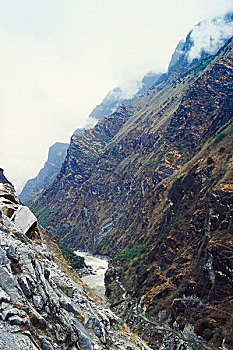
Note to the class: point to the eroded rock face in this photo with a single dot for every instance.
(18, 214)
(41, 306)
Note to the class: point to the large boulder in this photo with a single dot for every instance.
(24, 219)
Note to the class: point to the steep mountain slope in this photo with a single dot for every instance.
(151, 186)
(57, 152)
(202, 41)
(47, 174)
(44, 305)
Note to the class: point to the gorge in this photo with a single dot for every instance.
(149, 187)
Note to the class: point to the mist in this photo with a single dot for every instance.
(209, 36)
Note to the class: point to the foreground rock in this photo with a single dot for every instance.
(41, 306)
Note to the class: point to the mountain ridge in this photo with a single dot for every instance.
(182, 59)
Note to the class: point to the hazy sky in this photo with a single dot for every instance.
(59, 58)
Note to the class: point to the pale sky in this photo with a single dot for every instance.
(59, 58)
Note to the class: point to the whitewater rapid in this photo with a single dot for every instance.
(95, 280)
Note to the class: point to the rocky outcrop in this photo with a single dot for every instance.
(47, 174)
(41, 306)
(3, 179)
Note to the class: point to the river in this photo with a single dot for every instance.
(96, 280)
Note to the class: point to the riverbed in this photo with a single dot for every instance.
(95, 280)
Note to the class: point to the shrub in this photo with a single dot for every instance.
(210, 160)
(219, 137)
(222, 149)
(207, 334)
(77, 262)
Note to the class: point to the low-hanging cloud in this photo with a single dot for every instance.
(210, 35)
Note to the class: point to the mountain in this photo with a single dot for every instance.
(151, 187)
(44, 305)
(119, 96)
(47, 174)
(202, 42)
(57, 152)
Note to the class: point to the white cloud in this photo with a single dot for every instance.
(209, 36)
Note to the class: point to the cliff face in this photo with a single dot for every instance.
(47, 174)
(43, 303)
(151, 186)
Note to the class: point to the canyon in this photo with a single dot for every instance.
(151, 187)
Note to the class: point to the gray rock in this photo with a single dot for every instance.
(25, 286)
(66, 304)
(46, 344)
(9, 285)
(98, 328)
(11, 253)
(27, 260)
(60, 333)
(10, 341)
(51, 299)
(16, 320)
(4, 261)
(36, 319)
(13, 311)
(42, 294)
(46, 273)
(84, 340)
(4, 306)
(4, 297)
(7, 191)
(7, 207)
(24, 219)
(38, 301)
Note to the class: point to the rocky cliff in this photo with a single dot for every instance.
(47, 174)
(151, 186)
(43, 303)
